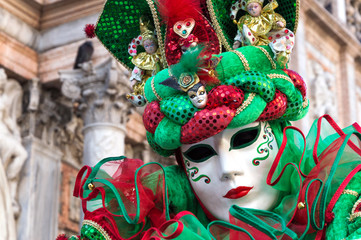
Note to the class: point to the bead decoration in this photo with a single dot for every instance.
(351, 192)
(243, 59)
(218, 27)
(92, 230)
(154, 91)
(268, 56)
(305, 103)
(301, 205)
(356, 210)
(274, 75)
(246, 103)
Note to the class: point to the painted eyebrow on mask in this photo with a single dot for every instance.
(245, 137)
(199, 153)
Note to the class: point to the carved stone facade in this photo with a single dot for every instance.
(328, 56)
(353, 14)
(322, 85)
(99, 96)
(69, 117)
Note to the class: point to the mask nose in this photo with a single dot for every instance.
(229, 167)
(229, 176)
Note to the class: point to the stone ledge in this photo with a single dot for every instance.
(332, 26)
(63, 57)
(68, 11)
(42, 16)
(28, 10)
(18, 58)
(19, 29)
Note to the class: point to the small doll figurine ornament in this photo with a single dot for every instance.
(263, 27)
(254, 27)
(146, 63)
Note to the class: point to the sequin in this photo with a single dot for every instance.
(152, 116)
(225, 95)
(118, 25)
(294, 108)
(89, 232)
(274, 109)
(253, 81)
(206, 123)
(297, 81)
(179, 109)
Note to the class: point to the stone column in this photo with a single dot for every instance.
(39, 191)
(340, 10)
(348, 88)
(39, 184)
(99, 94)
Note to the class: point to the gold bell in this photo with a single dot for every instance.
(300, 205)
(91, 186)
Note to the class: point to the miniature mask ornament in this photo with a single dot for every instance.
(190, 84)
(231, 168)
(198, 96)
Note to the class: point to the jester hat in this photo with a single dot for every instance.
(251, 86)
(119, 23)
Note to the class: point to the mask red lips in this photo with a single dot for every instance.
(238, 192)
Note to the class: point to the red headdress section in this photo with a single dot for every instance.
(186, 27)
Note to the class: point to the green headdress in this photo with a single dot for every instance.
(252, 88)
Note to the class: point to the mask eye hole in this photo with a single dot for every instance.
(245, 137)
(199, 153)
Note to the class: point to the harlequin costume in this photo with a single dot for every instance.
(261, 25)
(124, 199)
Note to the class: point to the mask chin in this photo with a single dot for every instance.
(197, 104)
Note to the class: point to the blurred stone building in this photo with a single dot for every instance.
(63, 115)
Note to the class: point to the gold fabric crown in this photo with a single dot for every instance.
(146, 29)
(254, 1)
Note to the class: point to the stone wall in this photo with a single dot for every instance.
(327, 55)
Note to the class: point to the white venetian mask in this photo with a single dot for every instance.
(199, 98)
(231, 168)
